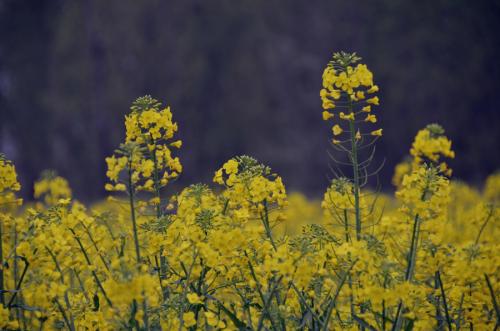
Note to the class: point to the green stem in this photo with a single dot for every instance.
(445, 304)
(18, 286)
(63, 313)
(493, 298)
(185, 288)
(2, 299)
(82, 286)
(162, 270)
(136, 235)
(89, 234)
(412, 256)
(145, 317)
(156, 181)
(437, 303)
(334, 299)
(87, 259)
(483, 226)
(267, 227)
(267, 303)
(410, 269)
(355, 170)
(259, 291)
(384, 312)
(132, 212)
(346, 226)
(58, 267)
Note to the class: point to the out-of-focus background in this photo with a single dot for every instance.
(242, 77)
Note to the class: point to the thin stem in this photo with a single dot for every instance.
(89, 234)
(156, 180)
(265, 220)
(493, 298)
(185, 288)
(334, 299)
(267, 303)
(448, 319)
(346, 226)
(355, 170)
(63, 313)
(87, 259)
(413, 249)
(437, 303)
(483, 226)
(259, 291)
(2, 299)
(18, 286)
(132, 211)
(145, 317)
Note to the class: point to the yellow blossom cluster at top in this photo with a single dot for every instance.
(350, 89)
(147, 151)
(429, 145)
(150, 125)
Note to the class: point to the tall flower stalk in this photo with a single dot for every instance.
(347, 94)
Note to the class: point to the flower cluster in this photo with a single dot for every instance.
(430, 145)
(146, 156)
(8, 183)
(349, 88)
(52, 188)
(250, 186)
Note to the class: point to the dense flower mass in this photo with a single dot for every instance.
(244, 254)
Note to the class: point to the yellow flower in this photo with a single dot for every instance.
(64, 202)
(189, 319)
(327, 115)
(367, 109)
(360, 95)
(212, 320)
(373, 89)
(371, 118)
(193, 299)
(337, 130)
(430, 145)
(218, 177)
(231, 167)
(349, 117)
(377, 132)
(176, 144)
(373, 101)
(52, 188)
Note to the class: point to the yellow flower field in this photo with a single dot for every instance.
(241, 253)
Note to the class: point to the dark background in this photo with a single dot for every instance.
(242, 77)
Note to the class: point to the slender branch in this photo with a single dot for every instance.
(132, 211)
(493, 298)
(63, 313)
(445, 304)
(18, 286)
